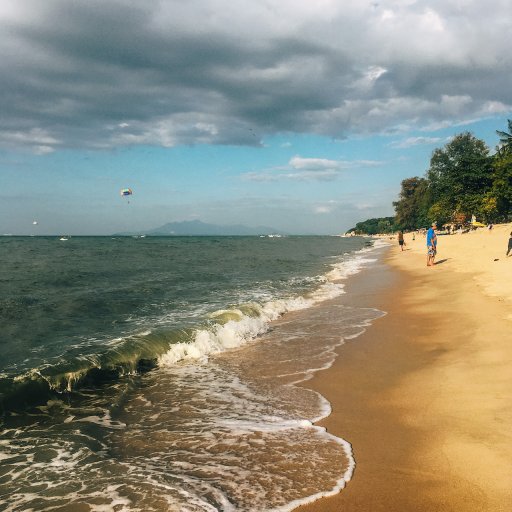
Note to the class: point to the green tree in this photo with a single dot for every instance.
(505, 144)
(385, 226)
(440, 212)
(412, 205)
(459, 176)
(374, 226)
(501, 189)
(489, 207)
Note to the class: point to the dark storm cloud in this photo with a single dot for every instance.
(106, 73)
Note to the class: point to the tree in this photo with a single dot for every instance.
(505, 144)
(489, 207)
(463, 180)
(374, 226)
(459, 176)
(441, 212)
(412, 205)
(501, 189)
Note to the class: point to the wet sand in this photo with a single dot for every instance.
(428, 400)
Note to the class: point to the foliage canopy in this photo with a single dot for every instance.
(464, 179)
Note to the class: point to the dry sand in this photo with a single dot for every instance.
(425, 395)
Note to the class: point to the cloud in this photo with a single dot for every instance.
(309, 169)
(315, 164)
(107, 73)
(38, 139)
(327, 207)
(416, 141)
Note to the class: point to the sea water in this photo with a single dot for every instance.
(164, 373)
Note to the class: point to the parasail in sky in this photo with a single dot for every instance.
(126, 192)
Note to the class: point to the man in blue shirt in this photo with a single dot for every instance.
(431, 245)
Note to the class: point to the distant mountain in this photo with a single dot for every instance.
(198, 228)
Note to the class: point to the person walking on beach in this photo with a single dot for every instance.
(401, 241)
(431, 245)
(509, 244)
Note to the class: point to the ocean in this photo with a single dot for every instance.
(164, 373)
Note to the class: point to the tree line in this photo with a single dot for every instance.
(464, 179)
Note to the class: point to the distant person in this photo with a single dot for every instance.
(401, 241)
(509, 244)
(431, 245)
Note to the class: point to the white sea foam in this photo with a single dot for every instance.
(345, 269)
(105, 421)
(380, 242)
(116, 501)
(265, 424)
(217, 339)
(242, 328)
(340, 484)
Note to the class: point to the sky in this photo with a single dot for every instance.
(300, 115)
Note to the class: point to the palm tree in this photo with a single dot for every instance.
(506, 138)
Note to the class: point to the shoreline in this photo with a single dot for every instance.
(428, 409)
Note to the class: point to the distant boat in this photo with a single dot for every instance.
(64, 238)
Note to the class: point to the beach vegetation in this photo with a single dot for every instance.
(489, 205)
(458, 175)
(505, 144)
(501, 189)
(413, 204)
(464, 181)
(380, 225)
(441, 213)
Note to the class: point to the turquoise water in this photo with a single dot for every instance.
(134, 369)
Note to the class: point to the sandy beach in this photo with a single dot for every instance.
(429, 407)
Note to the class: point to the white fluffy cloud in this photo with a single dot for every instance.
(310, 169)
(107, 73)
(416, 141)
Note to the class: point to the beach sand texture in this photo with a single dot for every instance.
(428, 407)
